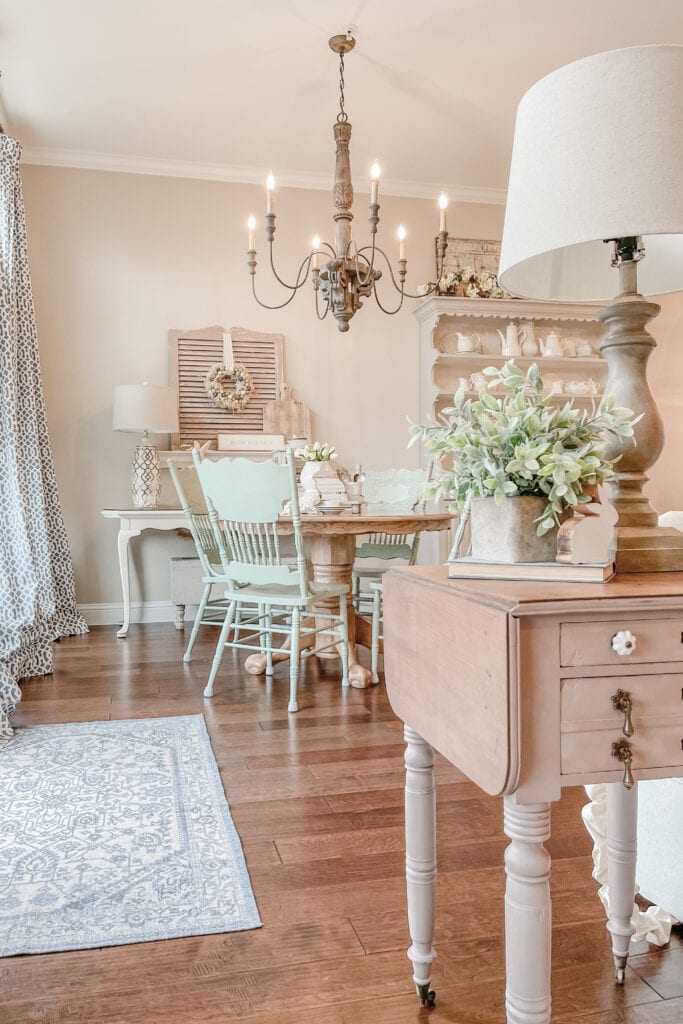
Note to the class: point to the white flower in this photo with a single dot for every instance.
(316, 452)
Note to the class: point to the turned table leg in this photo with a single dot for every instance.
(622, 841)
(332, 557)
(527, 913)
(420, 824)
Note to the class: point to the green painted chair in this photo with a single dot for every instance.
(244, 500)
(397, 491)
(211, 612)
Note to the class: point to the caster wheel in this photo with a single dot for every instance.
(620, 975)
(426, 996)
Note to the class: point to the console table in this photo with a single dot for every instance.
(131, 524)
(526, 688)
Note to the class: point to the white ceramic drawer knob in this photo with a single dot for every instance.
(623, 642)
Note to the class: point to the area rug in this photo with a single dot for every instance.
(116, 832)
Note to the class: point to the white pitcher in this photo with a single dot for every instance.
(529, 345)
(511, 341)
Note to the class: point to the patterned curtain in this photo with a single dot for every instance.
(37, 595)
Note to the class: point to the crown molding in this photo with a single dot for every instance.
(241, 175)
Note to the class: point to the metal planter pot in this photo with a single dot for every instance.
(507, 532)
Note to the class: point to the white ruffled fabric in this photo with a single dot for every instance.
(653, 924)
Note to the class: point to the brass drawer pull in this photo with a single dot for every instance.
(621, 749)
(622, 701)
(624, 642)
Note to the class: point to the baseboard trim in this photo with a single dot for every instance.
(111, 614)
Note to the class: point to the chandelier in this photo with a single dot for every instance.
(343, 274)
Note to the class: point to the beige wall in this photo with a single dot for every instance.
(118, 259)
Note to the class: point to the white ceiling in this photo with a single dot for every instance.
(216, 88)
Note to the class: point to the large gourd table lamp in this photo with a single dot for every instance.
(596, 187)
(146, 409)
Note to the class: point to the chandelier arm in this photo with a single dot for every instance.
(400, 288)
(360, 254)
(317, 307)
(306, 262)
(265, 305)
(422, 295)
(389, 312)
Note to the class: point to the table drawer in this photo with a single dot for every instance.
(584, 752)
(590, 643)
(590, 723)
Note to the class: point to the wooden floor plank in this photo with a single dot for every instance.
(318, 801)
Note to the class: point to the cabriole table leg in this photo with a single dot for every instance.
(622, 841)
(122, 544)
(527, 913)
(420, 823)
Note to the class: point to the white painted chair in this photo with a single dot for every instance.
(211, 612)
(377, 627)
(244, 501)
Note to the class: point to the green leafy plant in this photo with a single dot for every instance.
(523, 443)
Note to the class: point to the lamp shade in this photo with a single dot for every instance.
(597, 154)
(140, 407)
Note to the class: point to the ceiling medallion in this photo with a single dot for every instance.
(343, 274)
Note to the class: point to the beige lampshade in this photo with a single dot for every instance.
(140, 407)
(597, 154)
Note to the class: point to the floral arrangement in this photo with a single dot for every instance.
(229, 390)
(316, 452)
(522, 443)
(466, 282)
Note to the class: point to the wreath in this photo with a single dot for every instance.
(218, 383)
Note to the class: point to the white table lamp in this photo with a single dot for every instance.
(147, 409)
(596, 185)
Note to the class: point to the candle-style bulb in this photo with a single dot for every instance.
(251, 224)
(443, 203)
(270, 194)
(401, 242)
(315, 245)
(374, 186)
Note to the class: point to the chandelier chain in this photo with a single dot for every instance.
(342, 116)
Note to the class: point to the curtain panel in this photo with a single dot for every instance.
(37, 593)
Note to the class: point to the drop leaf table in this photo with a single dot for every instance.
(526, 688)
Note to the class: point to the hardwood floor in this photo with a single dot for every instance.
(317, 799)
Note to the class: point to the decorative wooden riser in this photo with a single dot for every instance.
(654, 549)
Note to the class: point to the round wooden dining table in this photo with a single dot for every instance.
(332, 554)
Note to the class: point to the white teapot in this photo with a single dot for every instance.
(511, 341)
(552, 346)
(467, 343)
